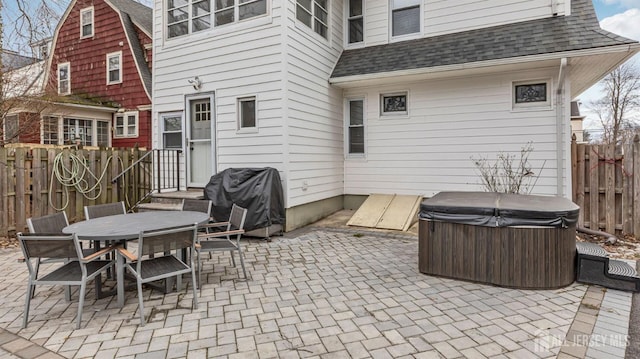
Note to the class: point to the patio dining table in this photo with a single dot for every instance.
(125, 227)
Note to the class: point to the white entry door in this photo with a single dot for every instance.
(200, 130)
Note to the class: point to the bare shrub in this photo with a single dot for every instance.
(508, 173)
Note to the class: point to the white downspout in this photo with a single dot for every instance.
(559, 128)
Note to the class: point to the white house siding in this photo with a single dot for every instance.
(313, 110)
(449, 122)
(446, 16)
(239, 60)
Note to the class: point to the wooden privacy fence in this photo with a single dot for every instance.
(606, 186)
(38, 181)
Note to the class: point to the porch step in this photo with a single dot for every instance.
(159, 206)
(170, 201)
(595, 267)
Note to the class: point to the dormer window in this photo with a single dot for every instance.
(405, 17)
(86, 22)
(314, 14)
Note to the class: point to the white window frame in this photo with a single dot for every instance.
(189, 19)
(236, 11)
(240, 100)
(408, 36)
(92, 23)
(384, 113)
(68, 80)
(163, 131)
(76, 130)
(347, 124)
(11, 131)
(50, 128)
(126, 132)
(546, 104)
(312, 13)
(348, 19)
(117, 54)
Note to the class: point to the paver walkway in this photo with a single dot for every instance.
(320, 294)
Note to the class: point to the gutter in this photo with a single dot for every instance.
(559, 126)
(480, 64)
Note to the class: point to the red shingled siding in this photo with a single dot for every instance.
(88, 63)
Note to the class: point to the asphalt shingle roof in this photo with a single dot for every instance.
(141, 15)
(579, 31)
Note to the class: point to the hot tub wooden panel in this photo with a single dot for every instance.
(518, 257)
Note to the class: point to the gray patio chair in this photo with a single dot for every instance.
(226, 240)
(103, 210)
(197, 205)
(51, 223)
(155, 260)
(77, 269)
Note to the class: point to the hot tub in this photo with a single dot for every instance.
(510, 240)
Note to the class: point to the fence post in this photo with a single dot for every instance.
(574, 168)
(4, 200)
(636, 185)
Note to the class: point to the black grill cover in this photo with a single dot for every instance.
(259, 190)
(500, 209)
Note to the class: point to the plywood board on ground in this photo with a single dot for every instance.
(401, 213)
(386, 211)
(370, 212)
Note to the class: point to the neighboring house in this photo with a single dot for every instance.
(98, 76)
(348, 98)
(577, 121)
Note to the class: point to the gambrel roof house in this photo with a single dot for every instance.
(98, 76)
(351, 97)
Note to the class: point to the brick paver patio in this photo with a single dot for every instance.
(322, 294)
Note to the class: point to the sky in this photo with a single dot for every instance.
(623, 18)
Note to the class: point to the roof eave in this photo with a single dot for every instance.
(355, 80)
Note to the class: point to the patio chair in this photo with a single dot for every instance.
(103, 210)
(197, 205)
(226, 240)
(155, 260)
(51, 223)
(77, 269)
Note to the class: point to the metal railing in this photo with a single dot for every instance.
(153, 172)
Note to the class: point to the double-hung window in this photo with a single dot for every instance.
(171, 127)
(86, 22)
(114, 68)
(355, 140)
(64, 78)
(187, 16)
(230, 11)
(247, 113)
(126, 124)
(355, 22)
(405, 17)
(314, 14)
